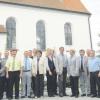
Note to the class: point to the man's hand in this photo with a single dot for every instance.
(20, 75)
(50, 73)
(99, 74)
(7, 76)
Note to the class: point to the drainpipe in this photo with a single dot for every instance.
(90, 32)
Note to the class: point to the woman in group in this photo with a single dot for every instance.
(51, 73)
(38, 71)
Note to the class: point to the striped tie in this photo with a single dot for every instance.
(13, 64)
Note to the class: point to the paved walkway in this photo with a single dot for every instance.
(60, 98)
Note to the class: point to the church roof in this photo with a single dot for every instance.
(2, 29)
(66, 5)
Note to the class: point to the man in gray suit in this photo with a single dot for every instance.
(6, 55)
(2, 77)
(61, 68)
(73, 71)
(82, 61)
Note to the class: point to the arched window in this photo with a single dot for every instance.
(11, 32)
(68, 34)
(40, 35)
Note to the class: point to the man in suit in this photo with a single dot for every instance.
(82, 61)
(6, 55)
(38, 71)
(73, 71)
(2, 77)
(61, 68)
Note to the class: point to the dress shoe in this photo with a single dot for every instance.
(88, 95)
(29, 96)
(16, 97)
(83, 95)
(22, 96)
(93, 95)
(98, 96)
(65, 94)
(76, 96)
(72, 95)
(50, 95)
(61, 95)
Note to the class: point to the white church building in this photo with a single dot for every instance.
(28, 24)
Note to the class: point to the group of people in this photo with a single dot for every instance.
(27, 75)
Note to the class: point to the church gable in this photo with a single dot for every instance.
(66, 5)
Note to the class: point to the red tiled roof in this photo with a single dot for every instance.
(2, 29)
(67, 5)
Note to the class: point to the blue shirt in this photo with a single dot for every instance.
(94, 64)
(27, 63)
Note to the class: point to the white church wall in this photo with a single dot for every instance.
(26, 19)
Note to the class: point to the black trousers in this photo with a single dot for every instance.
(6, 85)
(2, 82)
(95, 83)
(33, 84)
(51, 84)
(39, 85)
(14, 81)
(55, 83)
(74, 85)
(64, 80)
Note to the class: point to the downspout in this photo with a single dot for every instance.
(90, 32)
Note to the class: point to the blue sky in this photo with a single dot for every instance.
(94, 7)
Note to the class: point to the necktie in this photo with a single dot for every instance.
(13, 64)
(38, 64)
(82, 64)
(25, 64)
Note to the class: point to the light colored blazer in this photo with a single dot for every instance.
(73, 69)
(85, 62)
(59, 63)
(42, 66)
